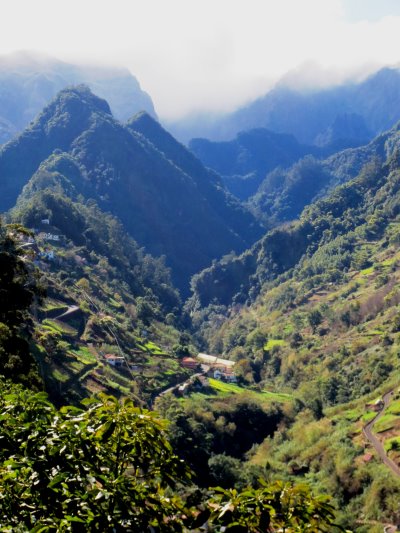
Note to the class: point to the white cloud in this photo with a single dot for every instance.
(203, 54)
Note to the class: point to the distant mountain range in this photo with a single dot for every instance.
(284, 193)
(350, 186)
(28, 82)
(353, 112)
(162, 194)
(285, 125)
(244, 162)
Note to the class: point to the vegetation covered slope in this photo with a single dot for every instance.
(318, 318)
(348, 208)
(207, 181)
(105, 297)
(244, 161)
(285, 192)
(109, 463)
(160, 204)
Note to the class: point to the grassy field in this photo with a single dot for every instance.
(226, 389)
(385, 423)
(392, 444)
(368, 416)
(84, 355)
(59, 327)
(394, 408)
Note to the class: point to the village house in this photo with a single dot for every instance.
(214, 360)
(224, 374)
(183, 389)
(47, 254)
(114, 360)
(51, 237)
(367, 457)
(189, 362)
(203, 381)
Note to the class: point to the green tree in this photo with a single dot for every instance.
(314, 319)
(17, 292)
(103, 468)
(109, 467)
(278, 507)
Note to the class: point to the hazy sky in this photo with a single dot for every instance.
(210, 54)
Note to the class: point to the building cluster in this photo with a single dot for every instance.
(212, 366)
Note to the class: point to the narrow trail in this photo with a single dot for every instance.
(170, 389)
(373, 439)
(179, 384)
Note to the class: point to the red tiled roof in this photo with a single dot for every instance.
(367, 457)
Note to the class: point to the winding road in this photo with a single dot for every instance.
(373, 439)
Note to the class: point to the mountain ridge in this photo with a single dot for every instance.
(133, 178)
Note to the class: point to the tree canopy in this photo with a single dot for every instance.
(108, 467)
(17, 291)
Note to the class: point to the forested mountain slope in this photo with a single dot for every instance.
(102, 296)
(284, 193)
(244, 162)
(316, 316)
(346, 208)
(163, 207)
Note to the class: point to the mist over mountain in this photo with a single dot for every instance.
(370, 106)
(29, 81)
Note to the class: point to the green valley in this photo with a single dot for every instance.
(134, 285)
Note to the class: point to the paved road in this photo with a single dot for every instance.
(71, 309)
(390, 529)
(376, 443)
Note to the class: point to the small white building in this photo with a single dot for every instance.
(114, 360)
(52, 237)
(225, 375)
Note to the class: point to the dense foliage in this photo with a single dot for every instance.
(316, 315)
(236, 278)
(214, 435)
(18, 290)
(109, 467)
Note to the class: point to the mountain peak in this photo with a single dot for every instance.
(144, 123)
(72, 112)
(70, 96)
